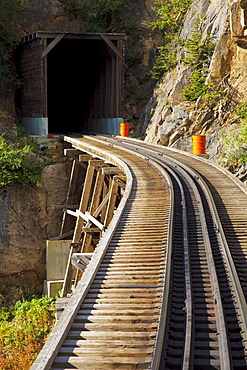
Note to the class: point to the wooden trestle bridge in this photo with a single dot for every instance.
(160, 253)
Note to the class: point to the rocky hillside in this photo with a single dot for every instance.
(172, 120)
(169, 116)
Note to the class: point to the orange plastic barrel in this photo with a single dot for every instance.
(199, 144)
(124, 129)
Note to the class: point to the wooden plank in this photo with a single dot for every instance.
(111, 170)
(97, 191)
(90, 229)
(72, 152)
(120, 182)
(113, 83)
(112, 47)
(92, 210)
(72, 213)
(52, 44)
(104, 193)
(81, 260)
(102, 204)
(71, 191)
(93, 164)
(84, 199)
(76, 35)
(95, 221)
(96, 213)
(64, 235)
(119, 85)
(44, 83)
(240, 39)
(112, 202)
(79, 225)
(85, 157)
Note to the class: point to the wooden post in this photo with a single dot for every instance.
(105, 190)
(112, 202)
(97, 191)
(80, 222)
(70, 193)
(87, 240)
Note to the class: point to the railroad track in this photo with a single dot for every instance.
(143, 309)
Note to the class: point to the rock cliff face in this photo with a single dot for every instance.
(27, 216)
(169, 120)
(27, 220)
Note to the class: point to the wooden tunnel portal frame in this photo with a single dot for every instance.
(115, 51)
(102, 187)
(93, 61)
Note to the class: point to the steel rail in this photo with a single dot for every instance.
(164, 305)
(237, 288)
(224, 351)
(223, 339)
(51, 348)
(221, 324)
(54, 342)
(187, 356)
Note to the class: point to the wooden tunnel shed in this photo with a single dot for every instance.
(71, 82)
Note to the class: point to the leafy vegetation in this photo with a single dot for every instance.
(170, 15)
(234, 151)
(18, 164)
(23, 331)
(21, 158)
(165, 59)
(199, 54)
(10, 11)
(99, 15)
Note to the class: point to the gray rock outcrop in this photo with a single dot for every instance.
(28, 218)
(225, 22)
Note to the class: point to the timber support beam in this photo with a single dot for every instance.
(101, 192)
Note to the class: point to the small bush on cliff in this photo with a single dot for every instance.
(170, 15)
(23, 330)
(18, 164)
(199, 54)
(234, 151)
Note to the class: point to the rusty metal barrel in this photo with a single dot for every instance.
(124, 129)
(199, 144)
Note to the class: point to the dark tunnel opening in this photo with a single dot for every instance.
(73, 67)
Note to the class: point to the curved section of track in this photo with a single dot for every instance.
(144, 309)
(116, 322)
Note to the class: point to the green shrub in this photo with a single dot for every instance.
(199, 54)
(242, 111)
(234, 150)
(170, 15)
(165, 59)
(23, 330)
(18, 164)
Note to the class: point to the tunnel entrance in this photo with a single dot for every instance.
(72, 82)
